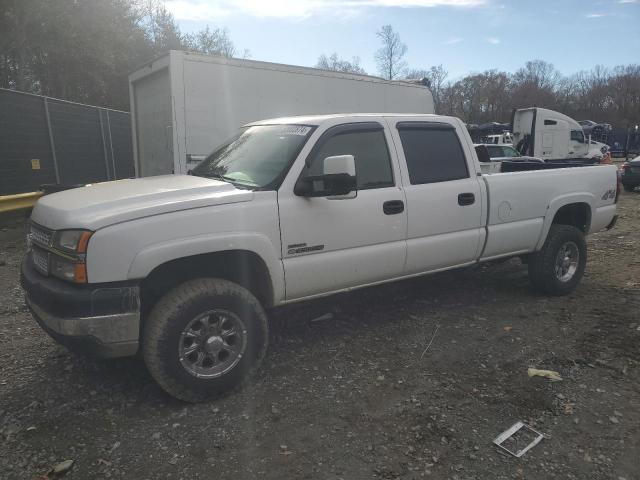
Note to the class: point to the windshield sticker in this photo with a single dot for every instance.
(301, 130)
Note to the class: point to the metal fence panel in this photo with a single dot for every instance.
(78, 143)
(45, 140)
(120, 124)
(25, 153)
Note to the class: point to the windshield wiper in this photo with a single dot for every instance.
(218, 176)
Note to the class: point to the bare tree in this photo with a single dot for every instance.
(538, 73)
(212, 41)
(337, 64)
(390, 57)
(159, 24)
(435, 77)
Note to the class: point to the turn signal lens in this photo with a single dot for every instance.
(83, 242)
(80, 273)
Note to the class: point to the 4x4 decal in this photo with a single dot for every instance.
(611, 193)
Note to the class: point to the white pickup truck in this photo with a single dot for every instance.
(184, 267)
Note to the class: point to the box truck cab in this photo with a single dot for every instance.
(549, 135)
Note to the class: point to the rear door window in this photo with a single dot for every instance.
(433, 152)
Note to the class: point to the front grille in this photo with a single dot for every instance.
(40, 260)
(41, 235)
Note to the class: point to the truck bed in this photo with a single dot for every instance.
(522, 204)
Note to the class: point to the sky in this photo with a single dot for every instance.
(464, 36)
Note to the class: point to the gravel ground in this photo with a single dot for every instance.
(409, 380)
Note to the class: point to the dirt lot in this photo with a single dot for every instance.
(358, 395)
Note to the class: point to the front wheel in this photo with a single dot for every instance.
(558, 267)
(203, 338)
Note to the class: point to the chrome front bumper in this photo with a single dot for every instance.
(114, 335)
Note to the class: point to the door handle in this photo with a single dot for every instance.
(393, 207)
(466, 199)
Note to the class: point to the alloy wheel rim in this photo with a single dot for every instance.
(212, 343)
(567, 260)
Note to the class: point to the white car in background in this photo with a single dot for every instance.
(498, 154)
(502, 139)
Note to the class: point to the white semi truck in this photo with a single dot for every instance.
(551, 136)
(184, 104)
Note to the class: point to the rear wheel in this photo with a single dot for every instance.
(558, 267)
(203, 338)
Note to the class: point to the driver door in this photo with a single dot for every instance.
(329, 244)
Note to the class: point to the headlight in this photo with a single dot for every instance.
(62, 268)
(69, 269)
(70, 264)
(72, 241)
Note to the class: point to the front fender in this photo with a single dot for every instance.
(559, 202)
(159, 253)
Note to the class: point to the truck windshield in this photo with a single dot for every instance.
(257, 157)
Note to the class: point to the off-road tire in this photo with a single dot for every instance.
(172, 313)
(542, 273)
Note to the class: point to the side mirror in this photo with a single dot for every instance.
(338, 180)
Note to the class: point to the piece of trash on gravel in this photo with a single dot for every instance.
(518, 439)
(322, 318)
(61, 468)
(284, 450)
(550, 374)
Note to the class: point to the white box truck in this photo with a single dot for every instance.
(184, 104)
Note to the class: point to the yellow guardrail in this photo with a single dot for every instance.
(19, 201)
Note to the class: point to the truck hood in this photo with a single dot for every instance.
(103, 204)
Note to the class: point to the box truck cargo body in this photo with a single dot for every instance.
(183, 104)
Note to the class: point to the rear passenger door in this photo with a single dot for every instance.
(443, 193)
